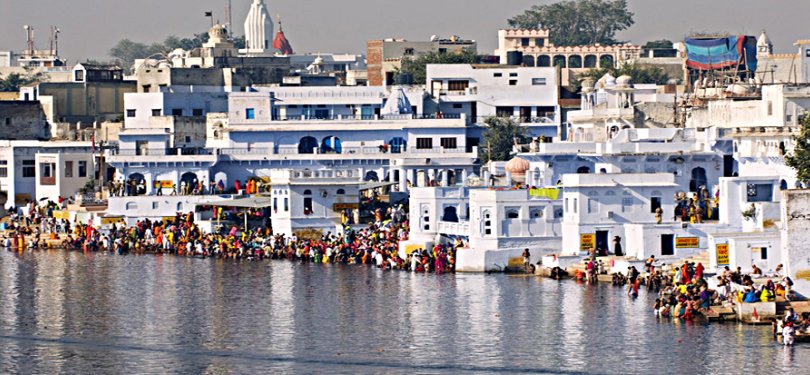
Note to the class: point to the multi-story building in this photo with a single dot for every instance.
(384, 57)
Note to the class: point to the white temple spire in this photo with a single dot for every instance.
(258, 28)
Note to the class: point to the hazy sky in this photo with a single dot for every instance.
(91, 27)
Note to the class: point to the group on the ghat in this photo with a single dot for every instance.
(377, 244)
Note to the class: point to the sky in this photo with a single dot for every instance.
(90, 27)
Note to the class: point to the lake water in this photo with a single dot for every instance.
(101, 313)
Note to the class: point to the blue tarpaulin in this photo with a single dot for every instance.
(720, 53)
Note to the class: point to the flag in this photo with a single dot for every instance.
(209, 14)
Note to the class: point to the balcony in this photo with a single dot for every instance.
(454, 229)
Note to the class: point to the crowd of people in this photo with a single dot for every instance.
(376, 244)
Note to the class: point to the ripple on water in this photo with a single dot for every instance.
(102, 313)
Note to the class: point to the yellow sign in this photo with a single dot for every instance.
(515, 262)
(309, 234)
(687, 242)
(411, 248)
(722, 254)
(344, 206)
(111, 220)
(587, 241)
(61, 215)
(169, 219)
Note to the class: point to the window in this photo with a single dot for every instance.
(770, 108)
(156, 112)
(197, 112)
(3, 168)
(524, 42)
(442, 51)
(512, 213)
(760, 192)
(286, 204)
(487, 223)
(538, 81)
(131, 206)
(340, 192)
(449, 143)
(130, 113)
(513, 74)
(763, 253)
(177, 111)
(424, 143)
(540, 42)
(29, 168)
(154, 205)
(576, 203)
(408, 51)
(8, 120)
(512, 82)
(458, 106)
(188, 139)
(68, 169)
(536, 212)
(250, 114)
(497, 75)
(457, 85)
(275, 203)
(82, 168)
(566, 205)
(79, 75)
(627, 204)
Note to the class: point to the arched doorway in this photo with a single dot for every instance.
(188, 181)
(698, 179)
(307, 145)
(397, 145)
(783, 185)
(583, 170)
(543, 61)
(136, 184)
(331, 145)
(450, 214)
(528, 60)
(371, 176)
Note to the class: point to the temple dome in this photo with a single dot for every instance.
(517, 166)
(217, 32)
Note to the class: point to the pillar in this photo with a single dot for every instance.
(431, 176)
(464, 176)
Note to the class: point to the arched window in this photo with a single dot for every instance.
(179, 206)
(307, 192)
(590, 61)
(559, 60)
(583, 170)
(528, 60)
(512, 213)
(487, 222)
(307, 202)
(307, 145)
(340, 192)
(783, 185)
(536, 212)
(543, 61)
(575, 61)
(606, 61)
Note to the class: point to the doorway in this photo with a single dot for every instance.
(602, 242)
(667, 244)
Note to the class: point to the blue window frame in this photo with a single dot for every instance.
(250, 114)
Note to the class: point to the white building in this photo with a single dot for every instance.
(258, 30)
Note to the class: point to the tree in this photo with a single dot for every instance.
(14, 81)
(417, 67)
(578, 22)
(656, 44)
(499, 139)
(126, 51)
(799, 159)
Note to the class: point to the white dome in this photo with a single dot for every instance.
(763, 40)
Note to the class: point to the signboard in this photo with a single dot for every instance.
(722, 254)
(111, 220)
(687, 242)
(61, 215)
(587, 241)
(309, 233)
(163, 184)
(411, 248)
(345, 206)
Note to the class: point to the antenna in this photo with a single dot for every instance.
(29, 31)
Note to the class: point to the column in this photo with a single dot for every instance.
(431, 176)
(464, 176)
(446, 177)
(402, 180)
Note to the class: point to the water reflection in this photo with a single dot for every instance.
(101, 313)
